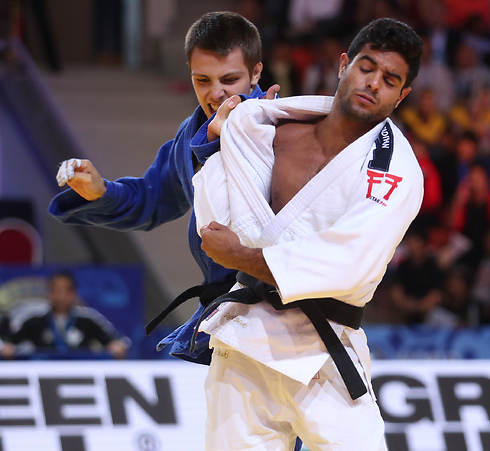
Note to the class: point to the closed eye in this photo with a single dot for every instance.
(230, 81)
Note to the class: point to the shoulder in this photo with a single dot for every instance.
(192, 123)
(28, 315)
(404, 159)
(291, 130)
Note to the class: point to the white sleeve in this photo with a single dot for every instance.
(211, 201)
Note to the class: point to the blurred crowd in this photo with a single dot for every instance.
(440, 274)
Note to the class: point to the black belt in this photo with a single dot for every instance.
(206, 293)
(318, 311)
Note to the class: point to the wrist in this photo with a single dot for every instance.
(102, 189)
(252, 261)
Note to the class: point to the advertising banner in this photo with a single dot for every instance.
(101, 406)
(439, 405)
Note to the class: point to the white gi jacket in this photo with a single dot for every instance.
(335, 238)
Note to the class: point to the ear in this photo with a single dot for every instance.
(403, 94)
(344, 60)
(256, 75)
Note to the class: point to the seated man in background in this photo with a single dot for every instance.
(66, 325)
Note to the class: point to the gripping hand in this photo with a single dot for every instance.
(82, 177)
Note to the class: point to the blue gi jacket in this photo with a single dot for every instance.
(163, 194)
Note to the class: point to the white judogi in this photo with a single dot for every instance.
(330, 240)
(333, 239)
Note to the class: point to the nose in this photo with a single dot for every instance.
(217, 91)
(374, 82)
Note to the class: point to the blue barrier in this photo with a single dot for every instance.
(424, 342)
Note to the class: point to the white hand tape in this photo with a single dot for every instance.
(67, 170)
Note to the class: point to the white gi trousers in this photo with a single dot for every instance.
(253, 407)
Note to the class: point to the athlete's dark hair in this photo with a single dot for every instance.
(390, 35)
(221, 32)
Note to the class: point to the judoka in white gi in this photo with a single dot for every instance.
(311, 195)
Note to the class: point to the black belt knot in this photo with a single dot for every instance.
(318, 311)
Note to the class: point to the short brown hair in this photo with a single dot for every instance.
(222, 31)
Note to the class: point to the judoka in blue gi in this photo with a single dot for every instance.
(224, 55)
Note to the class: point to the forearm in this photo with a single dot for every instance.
(251, 261)
(224, 247)
(129, 204)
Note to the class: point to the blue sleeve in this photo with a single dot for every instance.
(135, 203)
(200, 145)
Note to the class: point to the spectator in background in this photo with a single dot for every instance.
(321, 77)
(468, 153)
(416, 287)
(278, 11)
(310, 20)
(470, 212)
(470, 76)
(432, 202)
(480, 295)
(66, 325)
(474, 116)
(447, 245)
(260, 14)
(444, 156)
(456, 295)
(459, 12)
(454, 155)
(280, 68)
(442, 37)
(475, 33)
(426, 122)
(436, 76)
(368, 10)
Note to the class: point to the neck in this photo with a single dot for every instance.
(61, 311)
(335, 128)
